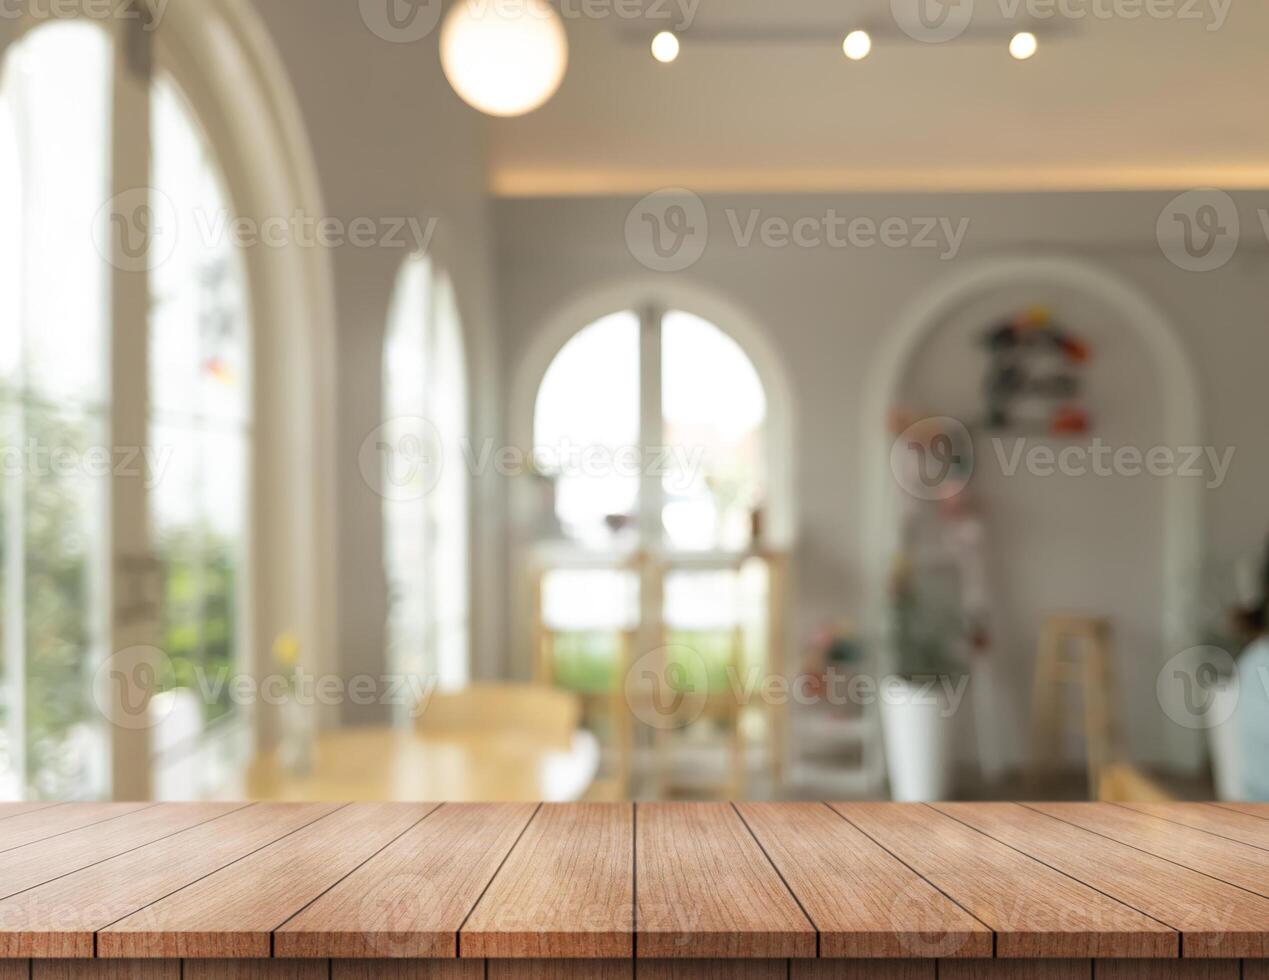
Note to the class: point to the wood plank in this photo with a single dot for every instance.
(15, 970)
(233, 912)
(1017, 969)
(407, 970)
(864, 901)
(711, 970)
(98, 970)
(863, 970)
(1177, 970)
(27, 828)
(411, 898)
(1238, 864)
(33, 864)
(1231, 824)
(1215, 919)
(1255, 969)
(559, 969)
(254, 970)
(567, 890)
(8, 810)
(59, 918)
(1260, 810)
(1034, 910)
(705, 889)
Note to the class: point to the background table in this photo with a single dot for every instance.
(216, 891)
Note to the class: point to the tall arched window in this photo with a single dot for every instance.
(165, 443)
(425, 476)
(649, 429)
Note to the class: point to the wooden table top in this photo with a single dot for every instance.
(395, 764)
(657, 880)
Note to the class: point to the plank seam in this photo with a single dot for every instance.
(780, 873)
(458, 933)
(842, 816)
(95, 823)
(1064, 874)
(1116, 840)
(634, 887)
(243, 857)
(36, 809)
(1231, 808)
(1178, 823)
(94, 864)
(368, 857)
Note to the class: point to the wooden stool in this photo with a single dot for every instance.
(1075, 651)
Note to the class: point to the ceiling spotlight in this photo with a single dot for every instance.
(665, 47)
(857, 45)
(504, 59)
(1023, 45)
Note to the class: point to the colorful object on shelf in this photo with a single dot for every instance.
(1035, 377)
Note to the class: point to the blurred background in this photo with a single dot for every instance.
(633, 399)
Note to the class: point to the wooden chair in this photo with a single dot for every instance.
(547, 712)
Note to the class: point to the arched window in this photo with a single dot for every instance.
(687, 430)
(135, 491)
(649, 434)
(54, 407)
(426, 495)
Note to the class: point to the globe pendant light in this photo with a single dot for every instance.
(504, 57)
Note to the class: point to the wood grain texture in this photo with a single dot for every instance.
(35, 863)
(864, 901)
(1016, 970)
(15, 970)
(1259, 810)
(101, 970)
(8, 810)
(411, 898)
(711, 970)
(1216, 920)
(1177, 970)
(1238, 864)
(254, 970)
(566, 890)
(863, 970)
(1242, 827)
(1034, 910)
(559, 969)
(705, 889)
(1255, 969)
(407, 970)
(233, 912)
(41, 824)
(59, 918)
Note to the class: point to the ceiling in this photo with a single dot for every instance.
(1109, 102)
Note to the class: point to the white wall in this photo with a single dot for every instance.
(828, 310)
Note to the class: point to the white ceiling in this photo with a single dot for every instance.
(1116, 102)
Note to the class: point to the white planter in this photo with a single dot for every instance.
(918, 729)
(1224, 744)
